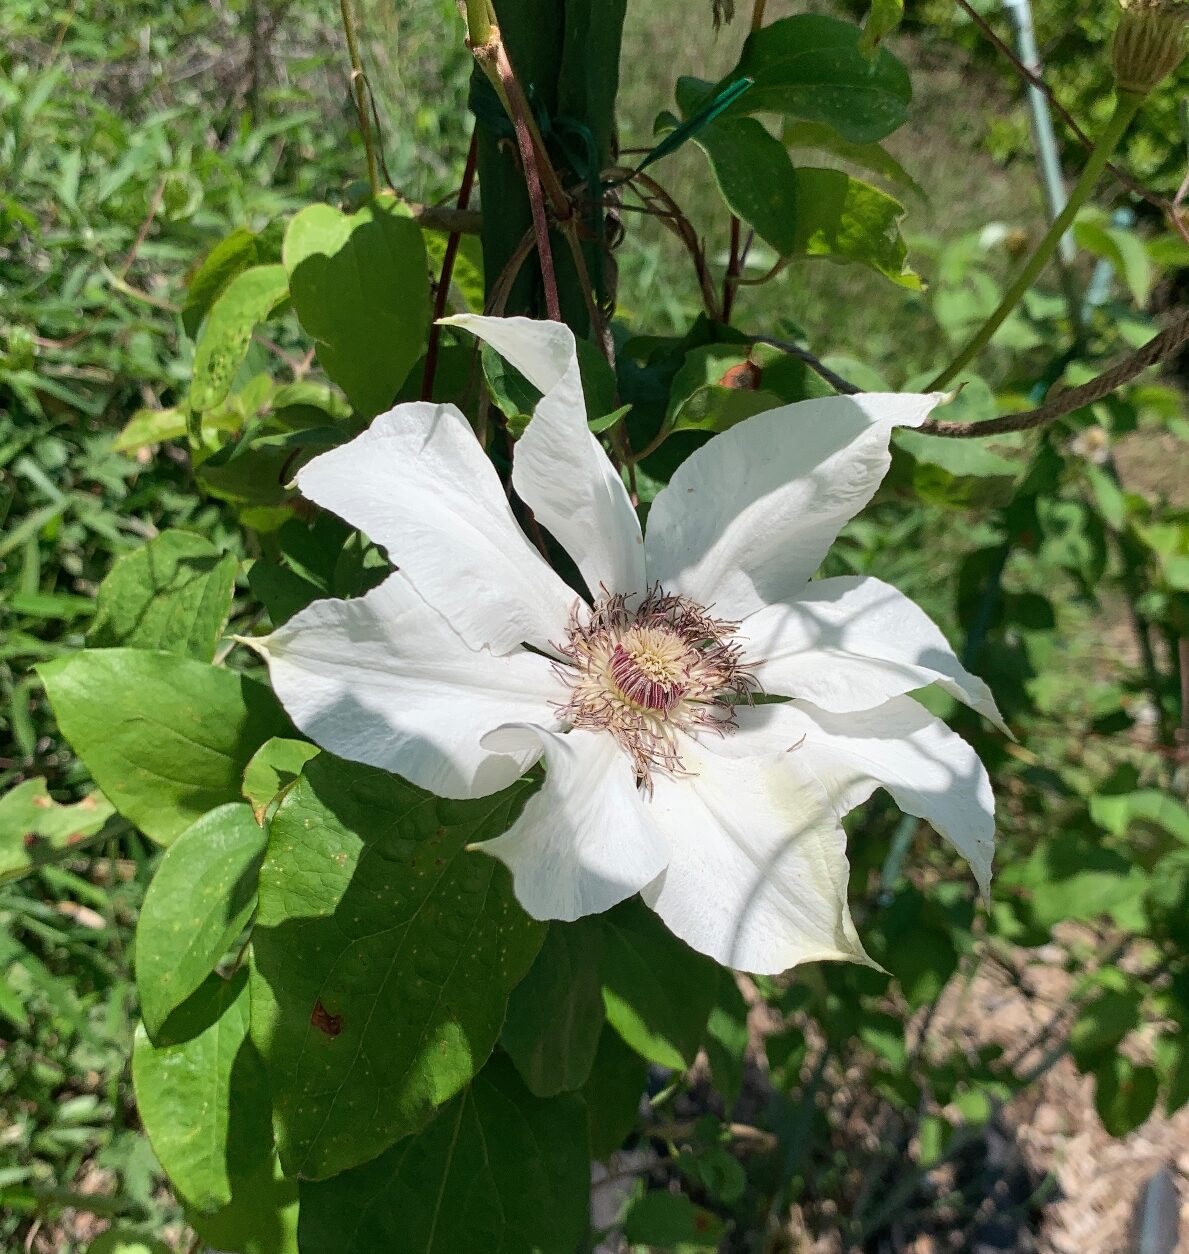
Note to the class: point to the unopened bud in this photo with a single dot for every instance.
(1149, 43)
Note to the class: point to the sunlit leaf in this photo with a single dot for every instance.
(174, 595)
(34, 828)
(360, 286)
(658, 992)
(202, 1096)
(165, 737)
(199, 901)
(844, 219)
(242, 305)
(385, 953)
(812, 67)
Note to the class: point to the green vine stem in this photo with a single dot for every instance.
(359, 90)
(478, 22)
(1126, 106)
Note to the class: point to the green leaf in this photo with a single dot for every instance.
(385, 953)
(360, 286)
(275, 765)
(813, 67)
(243, 304)
(1125, 1094)
(871, 157)
(718, 386)
(612, 1092)
(668, 1219)
(1172, 1053)
(516, 397)
(708, 106)
(755, 176)
(657, 992)
(282, 591)
(497, 1170)
(466, 278)
(954, 473)
(720, 408)
(34, 828)
(1169, 541)
(61, 605)
(261, 1217)
(607, 421)
(1073, 537)
(846, 220)
(166, 738)
(155, 426)
(915, 942)
(726, 1040)
(174, 595)
(126, 1241)
(1142, 811)
(1123, 249)
(229, 258)
(1102, 1024)
(199, 901)
(203, 1097)
(555, 1014)
(1071, 877)
(933, 1136)
(712, 1168)
(882, 19)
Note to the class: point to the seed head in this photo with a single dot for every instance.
(1149, 43)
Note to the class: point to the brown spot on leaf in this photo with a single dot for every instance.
(31, 840)
(745, 377)
(324, 1021)
(43, 802)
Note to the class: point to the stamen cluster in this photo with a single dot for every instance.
(646, 673)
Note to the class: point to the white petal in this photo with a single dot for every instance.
(748, 517)
(418, 483)
(585, 841)
(930, 770)
(757, 877)
(853, 643)
(559, 469)
(383, 680)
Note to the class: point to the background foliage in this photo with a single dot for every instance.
(154, 154)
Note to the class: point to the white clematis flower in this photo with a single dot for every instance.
(475, 659)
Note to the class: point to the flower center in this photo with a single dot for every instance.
(647, 672)
(647, 668)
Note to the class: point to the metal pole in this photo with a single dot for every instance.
(1020, 13)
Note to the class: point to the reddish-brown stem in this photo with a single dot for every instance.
(517, 108)
(1183, 668)
(734, 269)
(442, 295)
(536, 199)
(142, 234)
(680, 225)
